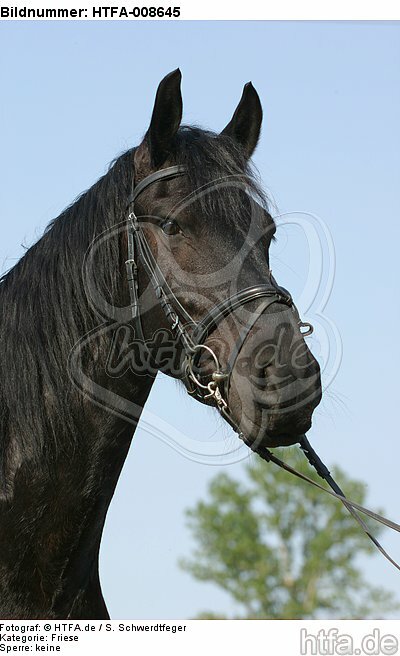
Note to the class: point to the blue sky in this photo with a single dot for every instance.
(74, 95)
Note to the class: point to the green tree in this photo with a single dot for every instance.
(283, 549)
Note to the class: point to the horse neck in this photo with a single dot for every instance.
(63, 444)
(52, 523)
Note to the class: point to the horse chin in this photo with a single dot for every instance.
(270, 441)
(258, 433)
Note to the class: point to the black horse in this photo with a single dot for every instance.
(66, 419)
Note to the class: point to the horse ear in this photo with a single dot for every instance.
(245, 125)
(166, 117)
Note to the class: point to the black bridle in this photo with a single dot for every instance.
(193, 335)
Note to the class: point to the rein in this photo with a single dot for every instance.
(193, 345)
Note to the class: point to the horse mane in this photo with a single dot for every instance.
(44, 305)
(45, 311)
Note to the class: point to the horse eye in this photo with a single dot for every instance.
(171, 228)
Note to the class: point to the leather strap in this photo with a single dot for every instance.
(164, 174)
(223, 309)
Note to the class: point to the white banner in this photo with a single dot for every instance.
(131, 10)
(179, 638)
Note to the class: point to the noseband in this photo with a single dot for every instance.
(193, 343)
(193, 340)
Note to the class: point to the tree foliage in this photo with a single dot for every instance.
(283, 549)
